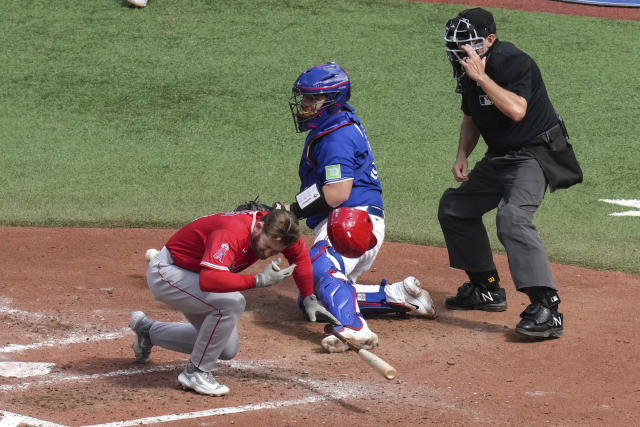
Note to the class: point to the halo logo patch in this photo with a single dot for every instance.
(224, 248)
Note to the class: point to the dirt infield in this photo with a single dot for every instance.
(67, 294)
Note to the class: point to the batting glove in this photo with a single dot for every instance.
(313, 308)
(272, 274)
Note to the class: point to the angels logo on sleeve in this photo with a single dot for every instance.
(218, 256)
(224, 248)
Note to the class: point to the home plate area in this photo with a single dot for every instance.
(84, 397)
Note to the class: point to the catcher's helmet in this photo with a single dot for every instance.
(328, 79)
(472, 27)
(351, 232)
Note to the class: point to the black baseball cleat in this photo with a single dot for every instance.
(540, 321)
(474, 296)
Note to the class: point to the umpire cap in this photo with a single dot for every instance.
(482, 20)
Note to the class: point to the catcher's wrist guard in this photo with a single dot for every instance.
(309, 202)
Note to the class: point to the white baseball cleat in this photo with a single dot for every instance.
(417, 299)
(364, 338)
(201, 382)
(137, 3)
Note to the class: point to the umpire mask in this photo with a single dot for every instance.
(472, 27)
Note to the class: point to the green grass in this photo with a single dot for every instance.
(111, 116)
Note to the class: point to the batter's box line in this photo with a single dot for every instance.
(61, 378)
(324, 391)
(16, 419)
(223, 411)
(74, 339)
(9, 419)
(265, 366)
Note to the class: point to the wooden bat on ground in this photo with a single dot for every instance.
(387, 371)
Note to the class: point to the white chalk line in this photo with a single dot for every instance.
(217, 411)
(61, 378)
(325, 391)
(9, 419)
(73, 339)
(20, 313)
(629, 203)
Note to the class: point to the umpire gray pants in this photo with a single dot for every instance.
(515, 184)
(212, 332)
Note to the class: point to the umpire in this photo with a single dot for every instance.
(505, 101)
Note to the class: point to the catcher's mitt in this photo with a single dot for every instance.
(255, 205)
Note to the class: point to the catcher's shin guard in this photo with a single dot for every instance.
(332, 287)
(339, 297)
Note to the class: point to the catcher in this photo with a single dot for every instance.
(337, 169)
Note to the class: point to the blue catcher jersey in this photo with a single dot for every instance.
(339, 150)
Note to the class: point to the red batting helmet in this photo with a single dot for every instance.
(351, 232)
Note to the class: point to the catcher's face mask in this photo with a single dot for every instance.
(306, 107)
(328, 80)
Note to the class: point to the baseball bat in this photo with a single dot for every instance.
(387, 371)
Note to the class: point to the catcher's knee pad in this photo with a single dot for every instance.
(324, 259)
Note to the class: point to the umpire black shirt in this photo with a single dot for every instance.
(513, 70)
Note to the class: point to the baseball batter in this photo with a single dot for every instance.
(198, 273)
(505, 101)
(337, 169)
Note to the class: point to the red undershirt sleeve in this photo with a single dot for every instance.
(302, 275)
(224, 281)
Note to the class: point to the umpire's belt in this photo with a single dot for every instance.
(376, 211)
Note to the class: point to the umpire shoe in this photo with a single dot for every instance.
(141, 324)
(201, 382)
(538, 320)
(474, 296)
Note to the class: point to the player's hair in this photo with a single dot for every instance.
(282, 225)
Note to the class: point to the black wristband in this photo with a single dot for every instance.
(295, 209)
(316, 206)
